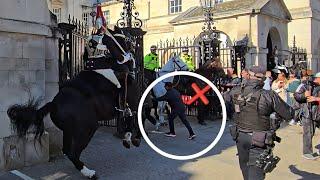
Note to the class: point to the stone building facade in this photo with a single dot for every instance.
(79, 9)
(305, 26)
(28, 68)
(267, 23)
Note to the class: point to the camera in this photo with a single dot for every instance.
(267, 161)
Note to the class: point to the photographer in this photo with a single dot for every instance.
(307, 94)
(254, 131)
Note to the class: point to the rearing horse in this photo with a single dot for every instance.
(80, 104)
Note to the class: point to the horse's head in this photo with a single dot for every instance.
(174, 64)
(120, 44)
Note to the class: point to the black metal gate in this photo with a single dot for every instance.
(202, 51)
(71, 48)
(297, 54)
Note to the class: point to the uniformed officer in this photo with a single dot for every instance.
(151, 63)
(186, 58)
(253, 130)
(177, 109)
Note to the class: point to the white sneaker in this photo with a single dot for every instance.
(313, 156)
(157, 126)
(292, 122)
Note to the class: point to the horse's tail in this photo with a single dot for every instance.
(28, 115)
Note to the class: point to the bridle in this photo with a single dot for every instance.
(127, 39)
(176, 63)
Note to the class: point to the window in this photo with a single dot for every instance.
(175, 6)
(85, 18)
(57, 12)
(106, 15)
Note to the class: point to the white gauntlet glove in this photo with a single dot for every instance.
(126, 58)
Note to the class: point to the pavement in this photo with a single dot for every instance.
(106, 155)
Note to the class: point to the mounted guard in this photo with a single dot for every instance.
(99, 59)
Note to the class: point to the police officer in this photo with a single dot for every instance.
(186, 58)
(177, 109)
(151, 63)
(252, 130)
(308, 96)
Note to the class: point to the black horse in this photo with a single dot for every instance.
(79, 105)
(213, 72)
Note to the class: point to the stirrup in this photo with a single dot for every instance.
(126, 112)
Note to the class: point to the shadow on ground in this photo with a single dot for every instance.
(304, 175)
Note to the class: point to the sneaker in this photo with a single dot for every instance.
(169, 134)
(157, 126)
(292, 122)
(192, 136)
(312, 156)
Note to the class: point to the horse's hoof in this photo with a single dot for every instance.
(88, 173)
(164, 124)
(136, 142)
(94, 177)
(126, 144)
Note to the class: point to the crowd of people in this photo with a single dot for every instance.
(258, 101)
(299, 89)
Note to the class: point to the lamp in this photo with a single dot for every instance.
(208, 6)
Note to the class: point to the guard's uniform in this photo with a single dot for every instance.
(96, 58)
(252, 130)
(151, 63)
(186, 58)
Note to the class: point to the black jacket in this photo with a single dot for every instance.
(174, 99)
(266, 103)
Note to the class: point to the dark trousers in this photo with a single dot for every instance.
(308, 133)
(247, 158)
(183, 118)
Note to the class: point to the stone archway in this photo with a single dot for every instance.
(273, 42)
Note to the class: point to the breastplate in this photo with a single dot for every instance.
(95, 47)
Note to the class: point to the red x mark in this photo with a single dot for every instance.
(199, 94)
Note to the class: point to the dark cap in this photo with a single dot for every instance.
(168, 84)
(153, 47)
(185, 49)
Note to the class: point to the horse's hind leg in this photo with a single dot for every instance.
(79, 142)
(67, 140)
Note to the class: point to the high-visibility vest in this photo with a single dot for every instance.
(186, 58)
(151, 61)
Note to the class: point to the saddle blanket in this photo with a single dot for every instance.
(109, 74)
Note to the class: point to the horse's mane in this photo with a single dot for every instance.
(211, 69)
